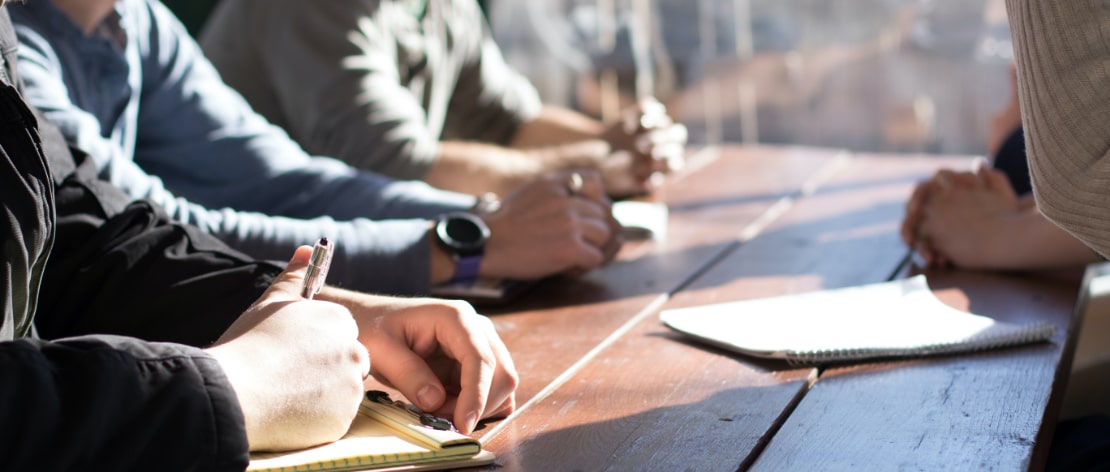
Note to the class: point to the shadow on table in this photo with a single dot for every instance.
(840, 245)
(722, 432)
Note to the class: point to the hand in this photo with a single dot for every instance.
(444, 357)
(915, 209)
(296, 365)
(966, 221)
(644, 143)
(911, 230)
(541, 229)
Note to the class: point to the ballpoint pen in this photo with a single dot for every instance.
(318, 265)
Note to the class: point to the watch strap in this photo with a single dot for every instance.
(466, 267)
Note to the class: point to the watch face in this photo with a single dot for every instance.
(464, 233)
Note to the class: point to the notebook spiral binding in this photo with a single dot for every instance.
(977, 343)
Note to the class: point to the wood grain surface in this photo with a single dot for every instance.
(606, 387)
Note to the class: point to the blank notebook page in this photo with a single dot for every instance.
(899, 318)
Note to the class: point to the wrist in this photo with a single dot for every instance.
(585, 154)
(441, 266)
(462, 236)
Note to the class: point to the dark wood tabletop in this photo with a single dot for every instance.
(605, 386)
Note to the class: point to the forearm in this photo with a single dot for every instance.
(475, 168)
(555, 126)
(1062, 58)
(1029, 241)
(373, 256)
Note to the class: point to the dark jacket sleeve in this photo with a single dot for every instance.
(107, 402)
(122, 267)
(116, 403)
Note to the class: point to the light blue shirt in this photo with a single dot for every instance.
(141, 99)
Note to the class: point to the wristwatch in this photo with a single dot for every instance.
(464, 236)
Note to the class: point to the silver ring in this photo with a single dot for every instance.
(574, 185)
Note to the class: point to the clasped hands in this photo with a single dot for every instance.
(644, 143)
(962, 218)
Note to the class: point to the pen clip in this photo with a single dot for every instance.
(318, 265)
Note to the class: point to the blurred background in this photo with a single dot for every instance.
(866, 75)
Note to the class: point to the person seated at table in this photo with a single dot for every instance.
(1063, 60)
(125, 82)
(987, 218)
(419, 90)
(129, 342)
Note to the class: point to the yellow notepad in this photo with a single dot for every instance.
(382, 436)
(894, 319)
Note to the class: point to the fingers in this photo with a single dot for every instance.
(407, 371)
(594, 225)
(914, 207)
(288, 284)
(483, 392)
(597, 231)
(656, 142)
(998, 182)
(666, 147)
(445, 356)
(616, 240)
(583, 184)
(943, 180)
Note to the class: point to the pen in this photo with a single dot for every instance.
(318, 265)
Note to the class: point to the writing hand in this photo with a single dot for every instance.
(296, 365)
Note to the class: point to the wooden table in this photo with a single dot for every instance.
(606, 386)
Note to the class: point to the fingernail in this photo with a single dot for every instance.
(471, 421)
(428, 397)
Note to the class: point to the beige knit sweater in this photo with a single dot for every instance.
(1062, 48)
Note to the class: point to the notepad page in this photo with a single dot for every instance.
(900, 318)
(368, 444)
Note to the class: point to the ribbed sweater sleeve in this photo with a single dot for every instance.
(1062, 50)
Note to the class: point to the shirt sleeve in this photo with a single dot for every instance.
(334, 77)
(247, 183)
(115, 403)
(192, 124)
(1062, 50)
(491, 99)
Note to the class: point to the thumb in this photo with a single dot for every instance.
(288, 284)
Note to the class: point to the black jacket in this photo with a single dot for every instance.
(90, 390)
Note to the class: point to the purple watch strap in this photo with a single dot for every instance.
(466, 268)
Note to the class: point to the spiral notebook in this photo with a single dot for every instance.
(386, 435)
(894, 319)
